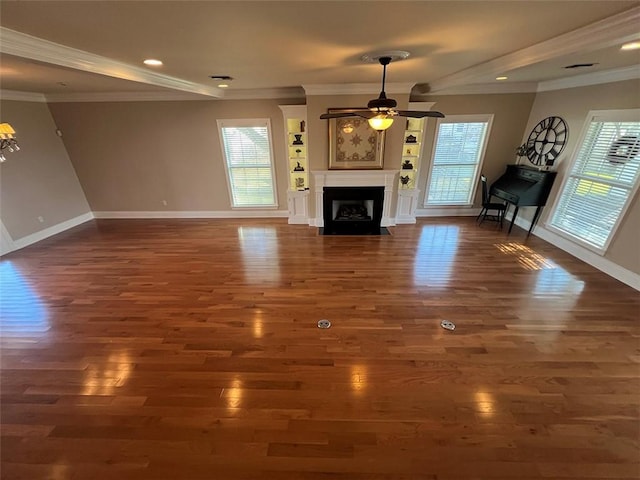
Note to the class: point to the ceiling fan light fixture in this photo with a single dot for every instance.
(380, 122)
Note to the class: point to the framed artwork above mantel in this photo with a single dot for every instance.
(354, 145)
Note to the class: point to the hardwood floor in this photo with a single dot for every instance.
(188, 349)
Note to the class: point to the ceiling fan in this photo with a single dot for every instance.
(380, 111)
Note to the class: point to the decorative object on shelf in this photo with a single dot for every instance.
(298, 140)
(546, 141)
(407, 165)
(380, 111)
(302, 126)
(300, 182)
(411, 139)
(404, 180)
(298, 152)
(298, 168)
(8, 140)
(361, 148)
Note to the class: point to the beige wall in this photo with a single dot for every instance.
(510, 114)
(573, 105)
(130, 156)
(39, 180)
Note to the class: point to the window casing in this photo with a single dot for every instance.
(458, 152)
(601, 180)
(248, 154)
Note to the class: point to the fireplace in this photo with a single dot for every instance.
(352, 210)
(344, 180)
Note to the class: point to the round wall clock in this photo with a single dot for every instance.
(546, 141)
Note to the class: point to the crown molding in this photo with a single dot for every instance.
(27, 46)
(594, 78)
(487, 89)
(356, 88)
(283, 93)
(616, 29)
(22, 96)
(264, 93)
(124, 97)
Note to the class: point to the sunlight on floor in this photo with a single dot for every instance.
(21, 310)
(435, 255)
(527, 258)
(260, 255)
(102, 379)
(551, 279)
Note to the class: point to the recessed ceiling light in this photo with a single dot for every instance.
(501, 78)
(222, 79)
(153, 62)
(630, 46)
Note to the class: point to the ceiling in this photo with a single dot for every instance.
(66, 48)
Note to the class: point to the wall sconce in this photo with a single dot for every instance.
(8, 140)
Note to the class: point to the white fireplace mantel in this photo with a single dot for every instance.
(355, 178)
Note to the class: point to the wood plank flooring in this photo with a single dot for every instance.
(188, 349)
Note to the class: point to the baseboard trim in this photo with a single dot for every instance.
(50, 231)
(448, 212)
(7, 245)
(195, 214)
(597, 261)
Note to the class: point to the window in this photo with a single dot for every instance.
(246, 145)
(457, 155)
(601, 179)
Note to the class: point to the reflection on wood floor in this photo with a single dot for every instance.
(189, 349)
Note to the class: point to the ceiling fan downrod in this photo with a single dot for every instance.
(384, 61)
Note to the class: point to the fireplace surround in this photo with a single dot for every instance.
(384, 179)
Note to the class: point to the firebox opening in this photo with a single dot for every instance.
(344, 211)
(352, 210)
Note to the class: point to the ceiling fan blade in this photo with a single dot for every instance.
(347, 112)
(418, 114)
(366, 114)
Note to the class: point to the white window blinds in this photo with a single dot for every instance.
(247, 152)
(458, 151)
(600, 181)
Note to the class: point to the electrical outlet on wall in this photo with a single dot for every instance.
(164, 202)
(41, 219)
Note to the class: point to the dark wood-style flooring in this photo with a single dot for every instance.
(188, 349)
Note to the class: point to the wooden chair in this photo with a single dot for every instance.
(487, 206)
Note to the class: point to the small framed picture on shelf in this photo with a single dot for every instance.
(354, 145)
